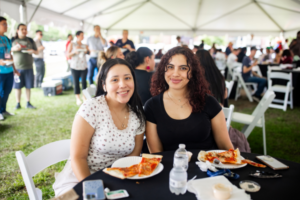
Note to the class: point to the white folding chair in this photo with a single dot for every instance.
(228, 115)
(229, 85)
(257, 118)
(40, 159)
(286, 89)
(90, 91)
(242, 84)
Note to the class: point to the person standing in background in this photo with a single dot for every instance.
(76, 52)
(295, 47)
(69, 40)
(125, 43)
(229, 49)
(6, 71)
(23, 47)
(285, 45)
(201, 45)
(96, 43)
(179, 43)
(39, 59)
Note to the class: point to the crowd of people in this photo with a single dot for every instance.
(179, 101)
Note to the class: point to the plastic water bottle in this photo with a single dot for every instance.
(17, 79)
(181, 158)
(178, 180)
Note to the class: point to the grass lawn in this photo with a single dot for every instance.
(52, 121)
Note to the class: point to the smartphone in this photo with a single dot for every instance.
(272, 163)
(93, 190)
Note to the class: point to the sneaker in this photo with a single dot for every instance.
(29, 106)
(18, 106)
(256, 98)
(1, 117)
(7, 114)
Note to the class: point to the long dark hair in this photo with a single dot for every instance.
(287, 53)
(17, 36)
(197, 85)
(134, 102)
(212, 74)
(138, 57)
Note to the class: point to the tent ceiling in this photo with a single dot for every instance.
(221, 16)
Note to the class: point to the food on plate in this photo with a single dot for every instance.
(145, 168)
(122, 172)
(253, 163)
(148, 164)
(227, 157)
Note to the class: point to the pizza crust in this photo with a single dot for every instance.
(151, 156)
(114, 173)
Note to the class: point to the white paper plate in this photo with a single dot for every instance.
(227, 166)
(132, 160)
(25, 51)
(8, 62)
(82, 50)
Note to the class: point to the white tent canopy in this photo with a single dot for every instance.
(217, 17)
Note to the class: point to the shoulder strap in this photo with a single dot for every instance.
(8, 40)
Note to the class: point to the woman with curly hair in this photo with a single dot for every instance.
(182, 111)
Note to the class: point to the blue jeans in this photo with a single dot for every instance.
(92, 65)
(261, 82)
(6, 84)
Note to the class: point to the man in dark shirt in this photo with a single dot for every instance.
(125, 43)
(247, 66)
(229, 49)
(201, 45)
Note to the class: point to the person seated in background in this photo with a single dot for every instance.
(277, 56)
(179, 43)
(143, 64)
(111, 52)
(220, 55)
(232, 58)
(159, 54)
(247, 65)
(181, 109)
(195, 49)
(114, 118)
(262, 55)
(111, 43)
(229, 49)
(213, 76)
(286, 57)
(242, 54)
(125, 43)
(268, 55)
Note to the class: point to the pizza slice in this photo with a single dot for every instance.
(253, 163)
(148, 164)
(123, 172)
(230, 157)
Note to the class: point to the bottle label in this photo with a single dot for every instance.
(177, 184)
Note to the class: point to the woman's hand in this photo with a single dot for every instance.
(153, 141)
(16, 47)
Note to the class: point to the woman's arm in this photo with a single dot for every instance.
(219, 128)
(70, 48)
(81, 136)
(153, 141)
(138, 145)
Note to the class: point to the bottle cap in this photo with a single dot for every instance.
(182, 146)
(106, 190)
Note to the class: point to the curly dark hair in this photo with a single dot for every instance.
(197, 85)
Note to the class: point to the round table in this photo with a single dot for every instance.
(157, 187)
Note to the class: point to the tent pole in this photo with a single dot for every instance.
(23, 12)
(269, 16)
(74, 7)
(197, 14)
(280, 7)
(37, 7)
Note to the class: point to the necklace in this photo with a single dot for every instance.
(181, 106)
(123, 121)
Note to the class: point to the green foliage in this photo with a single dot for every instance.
(209, 40)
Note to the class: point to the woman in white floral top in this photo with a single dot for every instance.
(106, 128)
(78, 64)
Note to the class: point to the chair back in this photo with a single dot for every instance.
(264, 104)
(40, 159)
(229, 85)
(90, 92)
(228, 115)
(241, 81)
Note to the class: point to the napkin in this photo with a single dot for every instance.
(203, 189)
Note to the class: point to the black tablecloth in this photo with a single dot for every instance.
(157, 187)
(295, 83)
